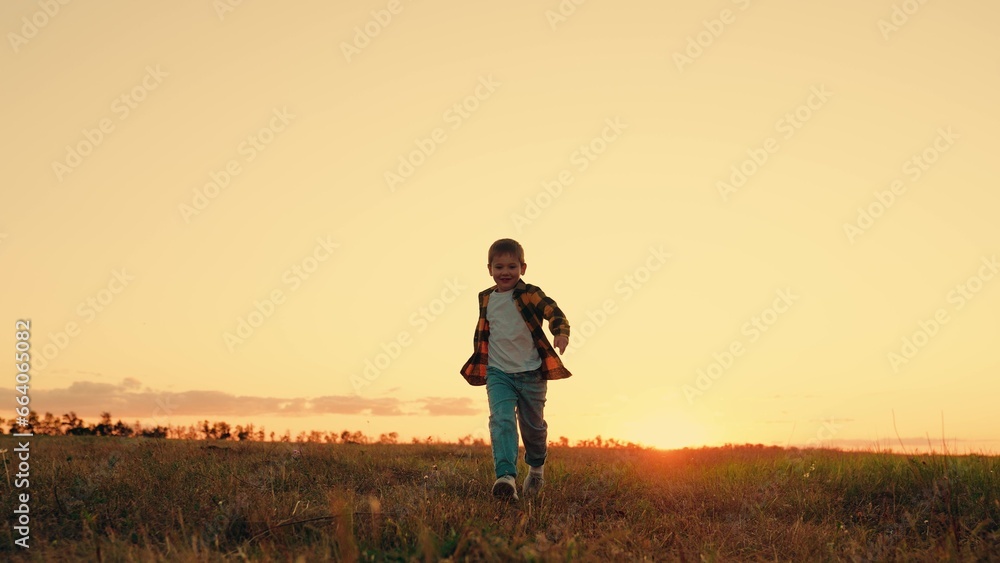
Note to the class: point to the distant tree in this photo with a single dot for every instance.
(222, 430)
(390, 438)
(48, 425)
(122, 429)
(155, 432)
(73, 425)
(356, 437)
(104, 427)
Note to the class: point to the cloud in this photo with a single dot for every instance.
(129, 399)
(346, 404)
(449, 406)
(815, 421)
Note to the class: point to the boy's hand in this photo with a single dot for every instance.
(561, 342)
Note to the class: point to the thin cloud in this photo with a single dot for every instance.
(129, 399)
(449, 406)
(815, 421)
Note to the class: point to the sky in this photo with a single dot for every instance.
(767, 222)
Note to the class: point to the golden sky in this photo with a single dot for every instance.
(768, 222)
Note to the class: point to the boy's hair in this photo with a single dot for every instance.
(506, 246)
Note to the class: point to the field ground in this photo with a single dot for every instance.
(137, 499)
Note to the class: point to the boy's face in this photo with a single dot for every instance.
(506, 271)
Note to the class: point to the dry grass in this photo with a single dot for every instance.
(113, 499)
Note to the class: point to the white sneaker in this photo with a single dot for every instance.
(505, 487)
(532, 485)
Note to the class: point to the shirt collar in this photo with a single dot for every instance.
(517, 290)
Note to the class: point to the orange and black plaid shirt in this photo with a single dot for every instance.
(535, 307)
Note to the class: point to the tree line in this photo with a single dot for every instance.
(69, 424)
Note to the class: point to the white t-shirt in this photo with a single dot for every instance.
(511, 347)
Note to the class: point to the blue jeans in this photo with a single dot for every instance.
(521, 394)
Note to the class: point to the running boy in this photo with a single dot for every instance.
(513, 358)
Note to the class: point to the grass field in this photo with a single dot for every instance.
(126, 499)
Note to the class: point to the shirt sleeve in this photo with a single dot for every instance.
(558, 324)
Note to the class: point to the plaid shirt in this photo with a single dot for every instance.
(535, 307)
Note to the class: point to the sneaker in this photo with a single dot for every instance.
(532, 484)
(505, 487)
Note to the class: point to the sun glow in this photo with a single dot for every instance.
(666, 431)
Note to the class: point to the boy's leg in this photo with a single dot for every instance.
(503, 429)
(531, 419)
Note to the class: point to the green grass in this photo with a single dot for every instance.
(117, 499)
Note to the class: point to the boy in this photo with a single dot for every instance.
(513, 358)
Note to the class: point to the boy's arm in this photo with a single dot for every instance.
(558, 324)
